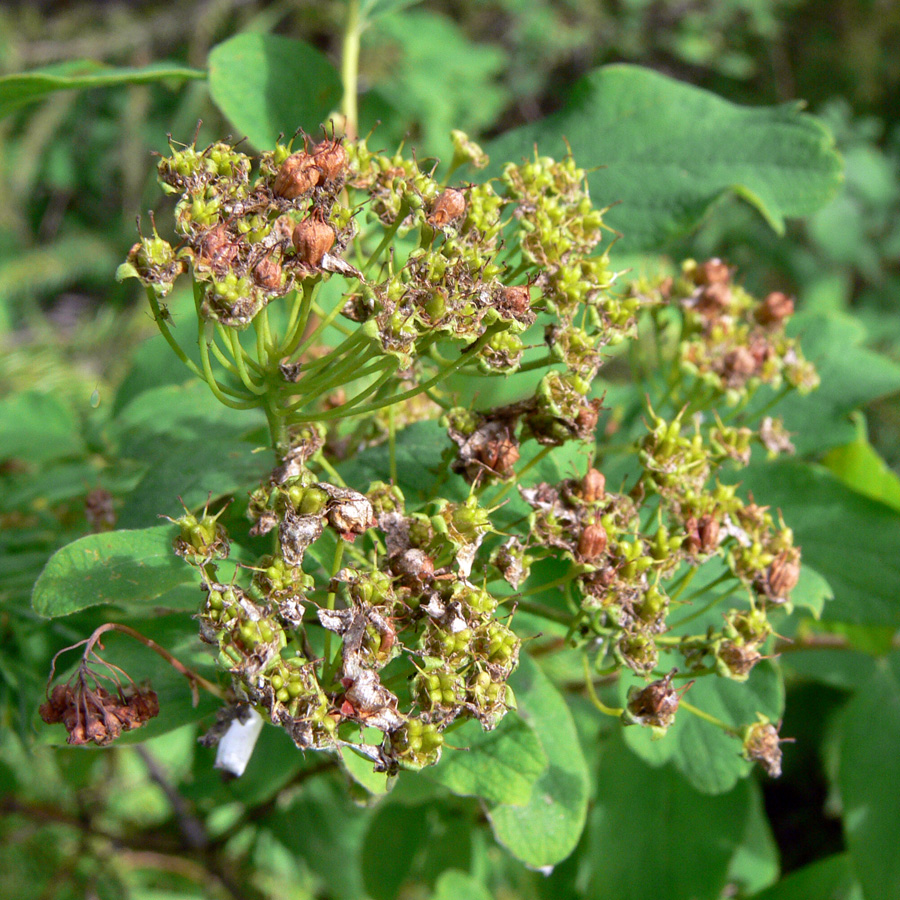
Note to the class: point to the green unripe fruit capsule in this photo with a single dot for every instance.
(294, 688)
(282, 696)
(277, 682)
(313, 502)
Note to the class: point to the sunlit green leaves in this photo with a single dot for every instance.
(135, 569)
(269, 85)
(709, 758)
(870, 781)
(545, 830)
(500, 766)
(29, 87)
(666, 151)
(652, 835)
(854, 542)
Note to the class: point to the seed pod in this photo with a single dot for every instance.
(449, 206)
(267, 274)
(331, 159)
(761, 744)
(516, 298)
(775, 309)
(313, 238)
(655, 705)
(413, 567)
(216, 249)
(708, 532)
(593, 486)
(713, 271)
(298, 175)
(592, 542)
(783, 574)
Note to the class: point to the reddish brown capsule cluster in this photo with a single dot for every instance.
(303, 171)
(94, 715)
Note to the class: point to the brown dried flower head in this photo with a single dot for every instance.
(298, 175)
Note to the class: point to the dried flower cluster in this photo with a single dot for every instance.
(506, 277)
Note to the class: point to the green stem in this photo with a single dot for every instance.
(329, 603)
(350, 70)
(329, 381)
(392, 444)
(707, 717)
(167, 334)
(237, 351)
(592, 693)
(298, 325)
(347, 409)
(214, 386)
(402, 213)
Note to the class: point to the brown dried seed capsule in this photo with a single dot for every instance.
(449, 206)
(267, 274)
(298, 175)
(516, 298)
(713, 271)
(331, 159)
(313, 238)
(708, 532)
(216, 249)
(593, 486)
(783, 574)
(592, 542)
(775, 309)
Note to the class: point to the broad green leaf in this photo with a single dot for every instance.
(135, 569)
(326, 830)
(544, 831)
(812, 591)
(500, 766)
(191, 447)
(851, 375)
(852, 541)
(844, 669)
(269, 85)
(755, 863)
(28, 87)
(652, 835)
(830, 879)
(859, 466)
(456, 885)
(869, 781)
(710, 759)
(395, 835)
(37, 428)
(666, 151)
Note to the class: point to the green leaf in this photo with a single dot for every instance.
(859, 466)
(191, 447)
(869, 781)
(812, 591)
(360, 769)
(652, 835)
(830, 878)
(544, 831)
(134, 569)
(37, 428)
(395, 835)
(269, 85)
(29, 87)
(666, 151)
(852, 541)
(456, 885)
(325, 829)
(851, 375)
(708, 757)
(500, 766)
(755, 863)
